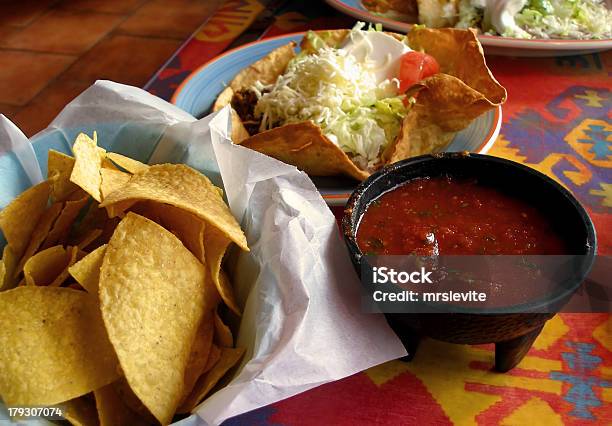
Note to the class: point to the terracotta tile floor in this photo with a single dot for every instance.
(51, 50)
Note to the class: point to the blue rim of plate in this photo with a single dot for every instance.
(356, 9)
(199, 90)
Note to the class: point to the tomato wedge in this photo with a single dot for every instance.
(414, 67)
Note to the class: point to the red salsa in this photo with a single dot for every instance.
(443, 215)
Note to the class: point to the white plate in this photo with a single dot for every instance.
(198, 92)
(493, 45)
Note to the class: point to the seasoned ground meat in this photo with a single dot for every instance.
(244, 102)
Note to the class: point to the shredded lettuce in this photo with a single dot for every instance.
(334, 91)
(577, 19)
(571, 19)
(471, 14)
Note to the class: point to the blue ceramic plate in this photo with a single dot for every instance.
(198, 93)
(493, 45)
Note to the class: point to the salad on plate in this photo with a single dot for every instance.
(523, 19)
(352, 101)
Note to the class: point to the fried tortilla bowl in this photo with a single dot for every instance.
(432, 13)
(445, 103)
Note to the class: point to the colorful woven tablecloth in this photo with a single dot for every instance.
(557, 120)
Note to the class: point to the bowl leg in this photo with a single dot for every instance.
(509, 353)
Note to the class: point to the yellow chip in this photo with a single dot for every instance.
(92, 218)
(94, 221)
(46, 265)
(2, 273)
(223, 334)
(87, 165)
(229, 358)
(89, 238)
(112, 180)
(40, 233)
(216, 244)
(59, 280)
(127, 163)
(87, 270)
(214, 354)
(19, 218)
(200, 351)
(53, 346)
(61, 227)
(151, 292)
(182, 187)
(213, 358)
(112, 409)
(186, 226)
(59, 168)
(7, 268)
(119, 209)
(122, 388)
(81, 411)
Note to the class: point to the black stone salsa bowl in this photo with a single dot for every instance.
(512, 333)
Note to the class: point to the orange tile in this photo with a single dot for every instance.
(44, 108)
(24, 74)
(24, 12)
(169, 18)
(63, 31)
(125, 59)
(6, 31)
(108, 6)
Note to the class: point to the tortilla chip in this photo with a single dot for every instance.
(81, 411)
(46, 265)
(213, 358)
(40, 233)
(112, 409)
(59, 168)
(200, 351)
(53, 346)
(223, 334)
(128, 164)
(305, 146)
(59, 233)
(122, 388)
(229, 358)
(151, 313)
(59, 280)
(2, 273)
(460, 55)
(112, 180)
(88, 162)
(30, 204)
(90, 220)
(444, 106)
(89, 238)
(214, 354)
(8, 264)
(182, 187)
(216, 244)
(87, 270)
(186, 226)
